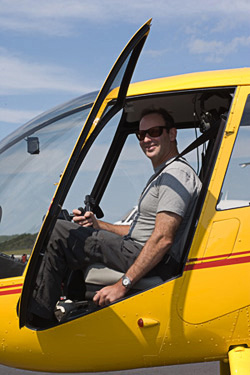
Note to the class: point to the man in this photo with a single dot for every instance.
(152, 242)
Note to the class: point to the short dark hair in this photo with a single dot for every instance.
(169, 121)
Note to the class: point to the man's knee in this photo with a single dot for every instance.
(60, 231)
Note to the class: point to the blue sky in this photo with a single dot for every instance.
(54, 50)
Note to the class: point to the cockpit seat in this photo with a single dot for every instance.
(98, 275)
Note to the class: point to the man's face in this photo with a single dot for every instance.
(157, 149)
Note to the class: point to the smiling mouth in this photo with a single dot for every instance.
(150, 148)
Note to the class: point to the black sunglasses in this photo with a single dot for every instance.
(154, 132)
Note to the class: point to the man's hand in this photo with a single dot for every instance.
(89, 220)
(86, 220)
(109, 294)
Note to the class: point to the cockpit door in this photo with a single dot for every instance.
(118, 78)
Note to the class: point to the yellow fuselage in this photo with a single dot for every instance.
(195, 317)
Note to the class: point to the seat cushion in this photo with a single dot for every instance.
(99, 274)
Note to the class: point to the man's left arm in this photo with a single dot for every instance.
(156, 247)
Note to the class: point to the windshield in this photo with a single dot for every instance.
(31, 163)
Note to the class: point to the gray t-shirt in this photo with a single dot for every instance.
(175, 189)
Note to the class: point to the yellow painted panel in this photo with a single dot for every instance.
(242, 330)
(213, 289)
(222, 237)
(230, 77)
(218, 273)
(112, 335)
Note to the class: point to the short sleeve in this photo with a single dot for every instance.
(175, 188)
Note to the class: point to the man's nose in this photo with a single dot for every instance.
(147, 138)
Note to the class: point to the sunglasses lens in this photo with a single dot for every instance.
(155, 132)
(152, 132)
(139, 135)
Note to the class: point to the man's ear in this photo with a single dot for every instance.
(172, 134)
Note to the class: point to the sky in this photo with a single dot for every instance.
(52, 51)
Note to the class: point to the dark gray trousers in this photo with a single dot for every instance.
(72, 247)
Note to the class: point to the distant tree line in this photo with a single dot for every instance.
(23, 242)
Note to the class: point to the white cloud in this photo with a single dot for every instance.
(57, 17)
(26, 24)
(18, 75)
(14, 116)
(154, 53)
(216, 50)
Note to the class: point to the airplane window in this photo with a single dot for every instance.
(235, 191)
(29, 173)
